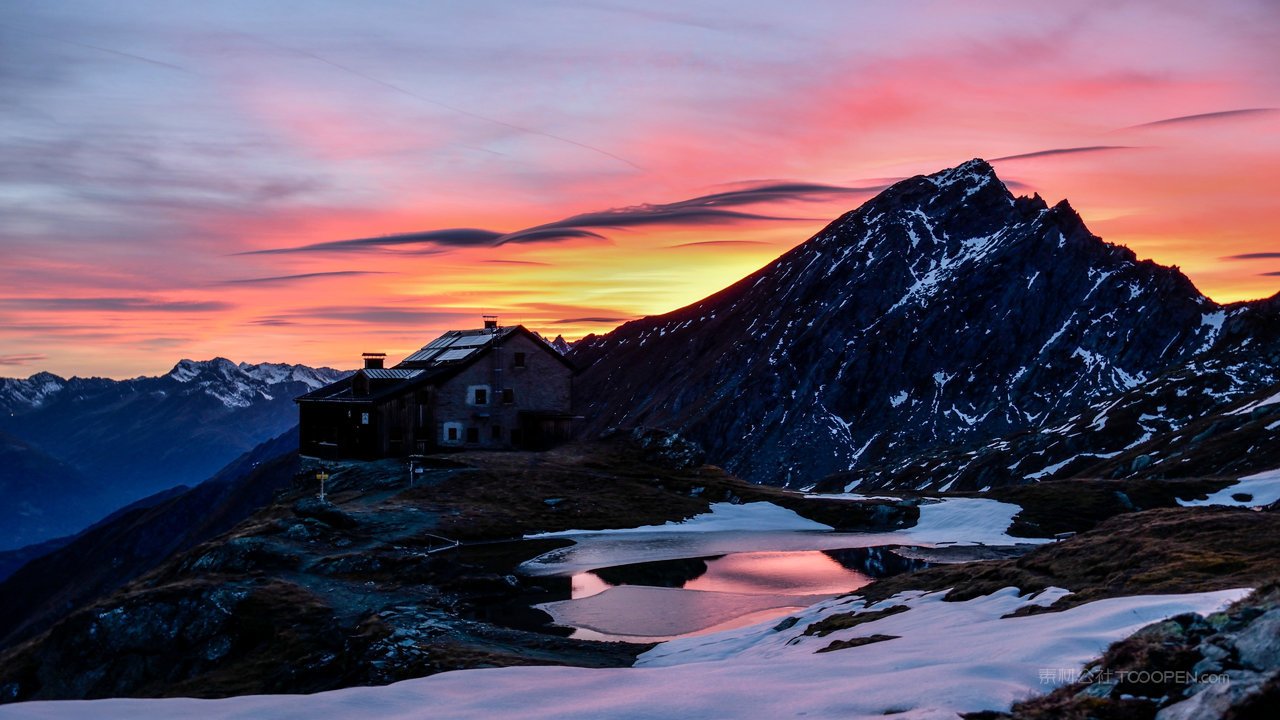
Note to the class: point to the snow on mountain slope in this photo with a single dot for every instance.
(1253, 491)
(17, 395)
(1212, 415)
(944, 311)
(933, 660)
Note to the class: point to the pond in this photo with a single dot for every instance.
(666, 599)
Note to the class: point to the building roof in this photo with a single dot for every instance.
(436, 361)
(455, 345)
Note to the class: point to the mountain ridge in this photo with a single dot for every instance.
(1000, 312)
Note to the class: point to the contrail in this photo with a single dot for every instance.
(110, 51)
(447, 106)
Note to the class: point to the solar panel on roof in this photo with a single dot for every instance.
(390, 373)
(451, 355)
(473, 341)
(424, 354)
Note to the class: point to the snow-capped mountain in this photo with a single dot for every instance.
(942, 313)
(237, 386)
(139, 436)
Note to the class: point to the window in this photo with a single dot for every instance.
(473, 435)
(481, 396)
(452, 434)
(497, 432)
(364, 418)
(508, 396)
(518, 360)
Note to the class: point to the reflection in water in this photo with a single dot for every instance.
(676, 598)
(878, 562)
(810, 572)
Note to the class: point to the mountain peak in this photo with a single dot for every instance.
(975, 172)
(186, 369)
(994, 313)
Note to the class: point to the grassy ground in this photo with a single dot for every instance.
(1078, 505)
(1168, 550)
(609, 485)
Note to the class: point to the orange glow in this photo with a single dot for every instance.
(136, 190)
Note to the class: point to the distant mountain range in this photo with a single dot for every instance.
(940, 319)
(87, 446)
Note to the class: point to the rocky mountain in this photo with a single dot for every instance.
(943, 313)
(133, 438)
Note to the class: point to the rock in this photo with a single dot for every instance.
(1125, 501)
(1258, 645)
(1216, 699)
(1098, 690)
(298, 531)
(1214, 652)
(669, 447)
(324, 511)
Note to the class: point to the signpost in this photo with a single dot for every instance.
(322, 476)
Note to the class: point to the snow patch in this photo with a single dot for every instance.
(946, 658)
(723, 517)
(1263, 489)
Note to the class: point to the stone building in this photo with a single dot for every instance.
(496, 387)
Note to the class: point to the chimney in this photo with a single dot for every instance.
(374, 361)
(490, 322)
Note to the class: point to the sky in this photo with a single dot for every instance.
(302, 182)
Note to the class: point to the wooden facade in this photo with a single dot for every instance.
(496, 388)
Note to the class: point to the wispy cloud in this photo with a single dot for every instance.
(1064, 151)
(284, 279)
(114, 304)
(574, 321)
(715, 243)
(366, 314)
(1209, 116)
(570, 310)
(710, 209)
(449, 237)
(1254, 256)
(448, 106)
(21, 359)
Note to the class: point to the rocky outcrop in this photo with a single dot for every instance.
(1190, 667)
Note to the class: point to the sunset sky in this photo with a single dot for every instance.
(300, 182)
